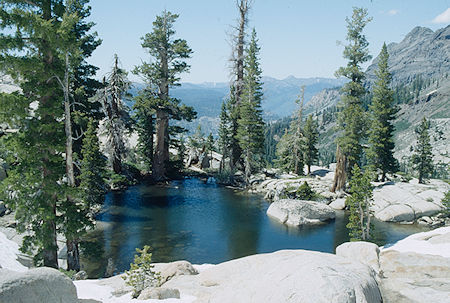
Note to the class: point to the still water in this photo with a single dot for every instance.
(202, 222)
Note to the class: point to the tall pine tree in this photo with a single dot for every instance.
(382, 112)
(237, 82)
(351, 118)
(31, 51)
(250, 132)
(224, 140)
(111, 96)
(162, 74)
(422, 158)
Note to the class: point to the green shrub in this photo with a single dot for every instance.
(141, 274)
(304, 192)
(446, 203)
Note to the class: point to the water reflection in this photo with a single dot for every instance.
(197, 220)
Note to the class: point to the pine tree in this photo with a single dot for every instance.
(210, 148)
(382, 112)
(116, 88)
(250, 132)
(290, 149)
(224, 135)
(423, 156)
(144, 115)
(311, 135)
(359, 202)
(162, 74)
(31, 51)
(79, 210)
(351, 118)
(237, 86)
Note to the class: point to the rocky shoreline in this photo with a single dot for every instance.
(416, 269)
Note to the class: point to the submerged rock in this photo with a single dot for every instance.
(300, 212)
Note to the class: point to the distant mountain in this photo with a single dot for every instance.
(279, 97)
(422, 52)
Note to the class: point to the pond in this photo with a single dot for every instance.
(202, 222)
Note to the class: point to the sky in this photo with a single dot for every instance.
(302, 38)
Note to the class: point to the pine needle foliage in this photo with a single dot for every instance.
(422, 158)
(141, 274)
(382, 112)
(359, 224)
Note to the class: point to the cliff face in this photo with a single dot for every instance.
(422, 52)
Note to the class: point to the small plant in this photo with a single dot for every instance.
(446, 203)
(69, 273)
(141, 274)
(304, 192)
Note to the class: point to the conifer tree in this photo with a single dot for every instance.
(210, 148)
(111, 96)
(291, 147)
(423, 156)
(359, 203)
(382, 112)
(144, 116)
(162, 74)
(352, 115)
(31, 51)
(250, 132)
(224, 135)
(311, 135)
(237, 85)
(79, 210)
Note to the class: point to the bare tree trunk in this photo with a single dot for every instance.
(161, 157)
(73, 258)
(361, 221)
(340, 174)
(368, 220)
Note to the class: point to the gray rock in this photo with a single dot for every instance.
(300, 212)
(283, 276)
(338, 204)
(36, 286)
(177, 268)
(159, 293)
(412, 277)
(81, 275)
(365, 252)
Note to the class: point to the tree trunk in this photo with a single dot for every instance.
(161, 157)
(73, 255)
(50, 252)
(73, 260)
(340, 174)
(309, 169)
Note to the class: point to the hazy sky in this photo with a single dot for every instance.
(297, 37)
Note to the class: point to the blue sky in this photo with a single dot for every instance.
(297, 37)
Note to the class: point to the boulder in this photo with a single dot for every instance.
(36, 285)
(365, 252)
(417, 268)
(412, 277)
(177, 268)
(282, 276)
(338, 204)
(398, 202)
(159, 293)
(300, 212)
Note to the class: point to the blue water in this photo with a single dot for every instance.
(199, 221)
